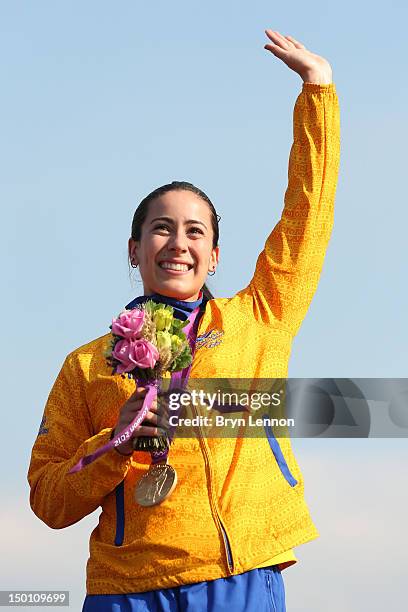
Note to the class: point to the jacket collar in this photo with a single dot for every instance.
(181, 308)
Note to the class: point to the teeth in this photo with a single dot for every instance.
(174, 266)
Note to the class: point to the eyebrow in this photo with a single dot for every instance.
(170, 220)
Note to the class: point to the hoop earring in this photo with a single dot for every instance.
(132, 263)
(211, 273)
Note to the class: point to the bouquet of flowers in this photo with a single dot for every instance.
(147, 342)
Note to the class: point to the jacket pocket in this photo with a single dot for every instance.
(271, 599)
(279, 457)
(275, 588)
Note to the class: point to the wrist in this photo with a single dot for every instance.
(318, 78)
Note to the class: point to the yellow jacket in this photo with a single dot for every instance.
(234, 498)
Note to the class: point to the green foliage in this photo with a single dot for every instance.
(182, 361)
(177, 326)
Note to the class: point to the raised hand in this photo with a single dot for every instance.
(310, 67)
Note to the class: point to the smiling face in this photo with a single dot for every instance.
(175, 252)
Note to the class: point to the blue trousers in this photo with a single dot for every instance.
(259, 590)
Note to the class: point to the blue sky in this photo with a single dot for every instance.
(101, 103)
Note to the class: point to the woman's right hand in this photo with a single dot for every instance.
(128, 412)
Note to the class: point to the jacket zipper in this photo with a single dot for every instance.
(213, 504)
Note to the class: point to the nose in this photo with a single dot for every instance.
(177, 242)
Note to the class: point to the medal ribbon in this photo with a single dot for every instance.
(178, 380)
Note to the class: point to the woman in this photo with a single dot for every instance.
(222, 538)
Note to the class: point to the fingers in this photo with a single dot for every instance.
(281, 45)
(278, 46)
(297, 44)
(278, 51)
(151, 417)
(139, 393)
(278, 39)
(136, 399)
(158, 404)
(146, 430)
(132, 408)
(155, 418)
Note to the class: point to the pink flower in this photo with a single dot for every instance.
(133, 354)
(129, 324)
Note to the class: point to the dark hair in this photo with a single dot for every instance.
(143, 209)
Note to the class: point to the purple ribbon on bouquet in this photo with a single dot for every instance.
(178, 380)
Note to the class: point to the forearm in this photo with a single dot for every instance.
(67, 435)
(61, 499)
(289, 267)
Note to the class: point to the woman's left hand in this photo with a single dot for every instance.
(310, 67)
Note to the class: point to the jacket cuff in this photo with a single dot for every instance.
(111, 460)
(318, 88)
(106, 471)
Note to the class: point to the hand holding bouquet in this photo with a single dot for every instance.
(147, 342)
